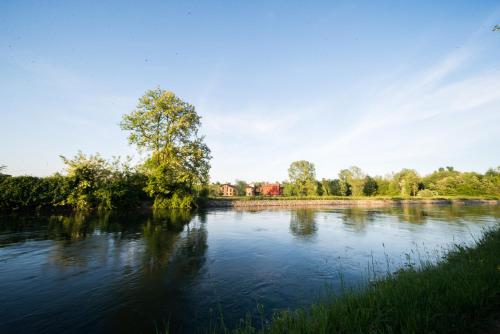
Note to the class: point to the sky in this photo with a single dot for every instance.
(382, 85)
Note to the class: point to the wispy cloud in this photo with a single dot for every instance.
(439, 91)
(419, 119)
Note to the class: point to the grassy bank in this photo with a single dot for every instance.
(460, 295)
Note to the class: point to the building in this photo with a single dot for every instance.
(250, 190)
(228, 190)
(271, 189)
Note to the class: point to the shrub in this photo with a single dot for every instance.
(30, 192)
(427, 193)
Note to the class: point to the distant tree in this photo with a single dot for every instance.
(491, 182)
(214, 189)
(345, 186)
(325, 189)
(167, 128)
(240, 187)
(352, 181)
(493, 172)
(319, 189)
(302, 175)
(331, 187)
(387, 186)
(2, 169)
(288, 189)
(370, 186)
(408, 181)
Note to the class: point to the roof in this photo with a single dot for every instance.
(271, 184)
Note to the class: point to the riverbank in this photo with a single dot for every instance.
(253, 202)
(459, 295)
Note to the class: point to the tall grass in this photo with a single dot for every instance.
(461, 294)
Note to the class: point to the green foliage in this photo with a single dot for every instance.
(30, 192)
(387, 186)
(96, 183)
(351, 181)
(288, 189)
(331, 187)
(214, 189)
(91, 183)
(177, 201)
(427, 193)
(167, 127)
(370, 186)
(124, 188)
(408, 181)
(302, 175)
(240, 187)
(86, 176)
(2, 174)
(453, 183)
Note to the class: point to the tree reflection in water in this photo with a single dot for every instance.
(149, 239)
(356, 218)
(161, 233)
(303, 223)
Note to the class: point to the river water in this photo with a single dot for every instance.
(141, 272)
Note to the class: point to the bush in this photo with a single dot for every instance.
(91, 183)
(30, 192)
(96, 183)
(427, 193)
(178, 200)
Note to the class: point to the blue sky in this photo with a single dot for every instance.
(381, 85)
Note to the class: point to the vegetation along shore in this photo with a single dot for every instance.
(175, 173)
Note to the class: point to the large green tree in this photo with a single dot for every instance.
(302, 175)
(167, 127)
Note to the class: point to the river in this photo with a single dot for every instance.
(140, 272)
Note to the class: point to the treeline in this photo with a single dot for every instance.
(354, 182)
(442, 182)
(174, 174)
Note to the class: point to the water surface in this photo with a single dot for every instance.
(137, 272)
